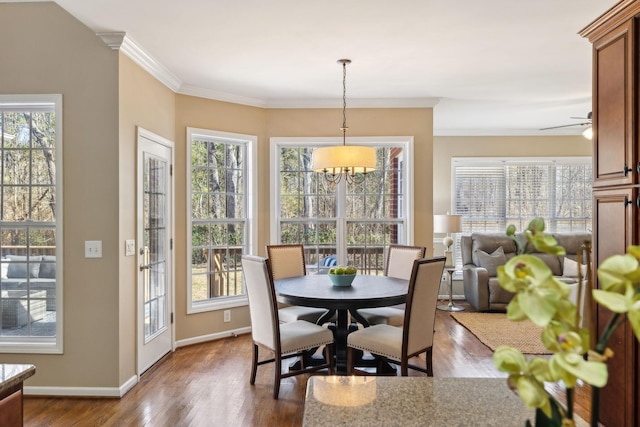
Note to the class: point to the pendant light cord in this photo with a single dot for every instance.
(344, 127)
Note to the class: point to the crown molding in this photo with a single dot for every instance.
(121, 42)
(113, 40)
(502, 132)
(221, 96)
(355, 103)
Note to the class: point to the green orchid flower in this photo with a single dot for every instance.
(569, 367)
(569, 347)
(538, 293)
(526, 376)
(618, 273)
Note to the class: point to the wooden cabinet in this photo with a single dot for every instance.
(11, 411)
(616, 207)
(615, 217)
(613, 107)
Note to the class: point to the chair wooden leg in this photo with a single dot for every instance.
(349, 361)
(429, 357)
(254, 365)
(278, 375)
(404, 366)
(328, 354)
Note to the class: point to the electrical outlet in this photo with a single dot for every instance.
(227, 315)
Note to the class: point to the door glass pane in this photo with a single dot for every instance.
(154, 281)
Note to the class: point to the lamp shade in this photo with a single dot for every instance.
(447, 223)
(340, 158)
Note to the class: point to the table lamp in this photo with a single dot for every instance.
(447, 224)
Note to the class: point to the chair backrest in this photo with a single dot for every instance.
(422, 299)
(400, 260)
(262, 301)
(286, 261)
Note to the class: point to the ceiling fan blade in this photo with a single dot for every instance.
(565, 126)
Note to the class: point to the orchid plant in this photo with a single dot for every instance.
(544, 299)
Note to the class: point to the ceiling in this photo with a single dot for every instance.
(490, 67)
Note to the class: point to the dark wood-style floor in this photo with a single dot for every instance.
(208, 385)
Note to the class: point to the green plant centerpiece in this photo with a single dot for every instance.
(543, 299)
(342, 276)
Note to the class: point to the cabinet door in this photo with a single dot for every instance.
(613, 107)
(615, 227)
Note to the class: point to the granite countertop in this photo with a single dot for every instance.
(13, 374)
(412, 401)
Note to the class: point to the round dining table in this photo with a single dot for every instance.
(366, 291)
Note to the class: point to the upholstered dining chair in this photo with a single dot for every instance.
(397, 344)
(285, 340)
(288, 261)
(398, 264)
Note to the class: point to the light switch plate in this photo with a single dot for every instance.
(129, 247)
(93, 248)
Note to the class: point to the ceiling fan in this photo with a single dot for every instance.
(585, 123)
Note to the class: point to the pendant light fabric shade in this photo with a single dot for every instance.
(340, 159)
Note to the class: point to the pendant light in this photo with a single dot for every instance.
(352, 162)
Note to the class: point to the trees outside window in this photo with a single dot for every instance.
(347, 223)
(219, 216)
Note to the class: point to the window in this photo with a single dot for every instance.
(493, 193)
(344, 223)
(220, 185)
(30, 223)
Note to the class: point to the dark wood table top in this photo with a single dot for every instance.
(365, 291)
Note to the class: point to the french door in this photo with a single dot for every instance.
(155, 257)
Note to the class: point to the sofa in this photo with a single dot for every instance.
(483, 253)
(17, 311)
(39, 274)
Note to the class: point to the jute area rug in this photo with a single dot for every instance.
(494, 330)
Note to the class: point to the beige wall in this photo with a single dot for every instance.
(146, 103)
(266, 123)
(447, 147)
(58, 54)
(220, 116)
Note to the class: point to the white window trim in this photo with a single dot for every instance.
(251, 178)
(375, 141)
(42, 345)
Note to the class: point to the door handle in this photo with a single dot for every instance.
(146, 267)
(628, 202)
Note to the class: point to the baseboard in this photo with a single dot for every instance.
(115, 392)
(118, 392)
(212, 337)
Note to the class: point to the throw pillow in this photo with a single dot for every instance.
(18, 266)
(570, 268)
(492, 261)
(47, 267)
(5, 268)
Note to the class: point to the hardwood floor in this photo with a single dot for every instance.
(208, 385)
